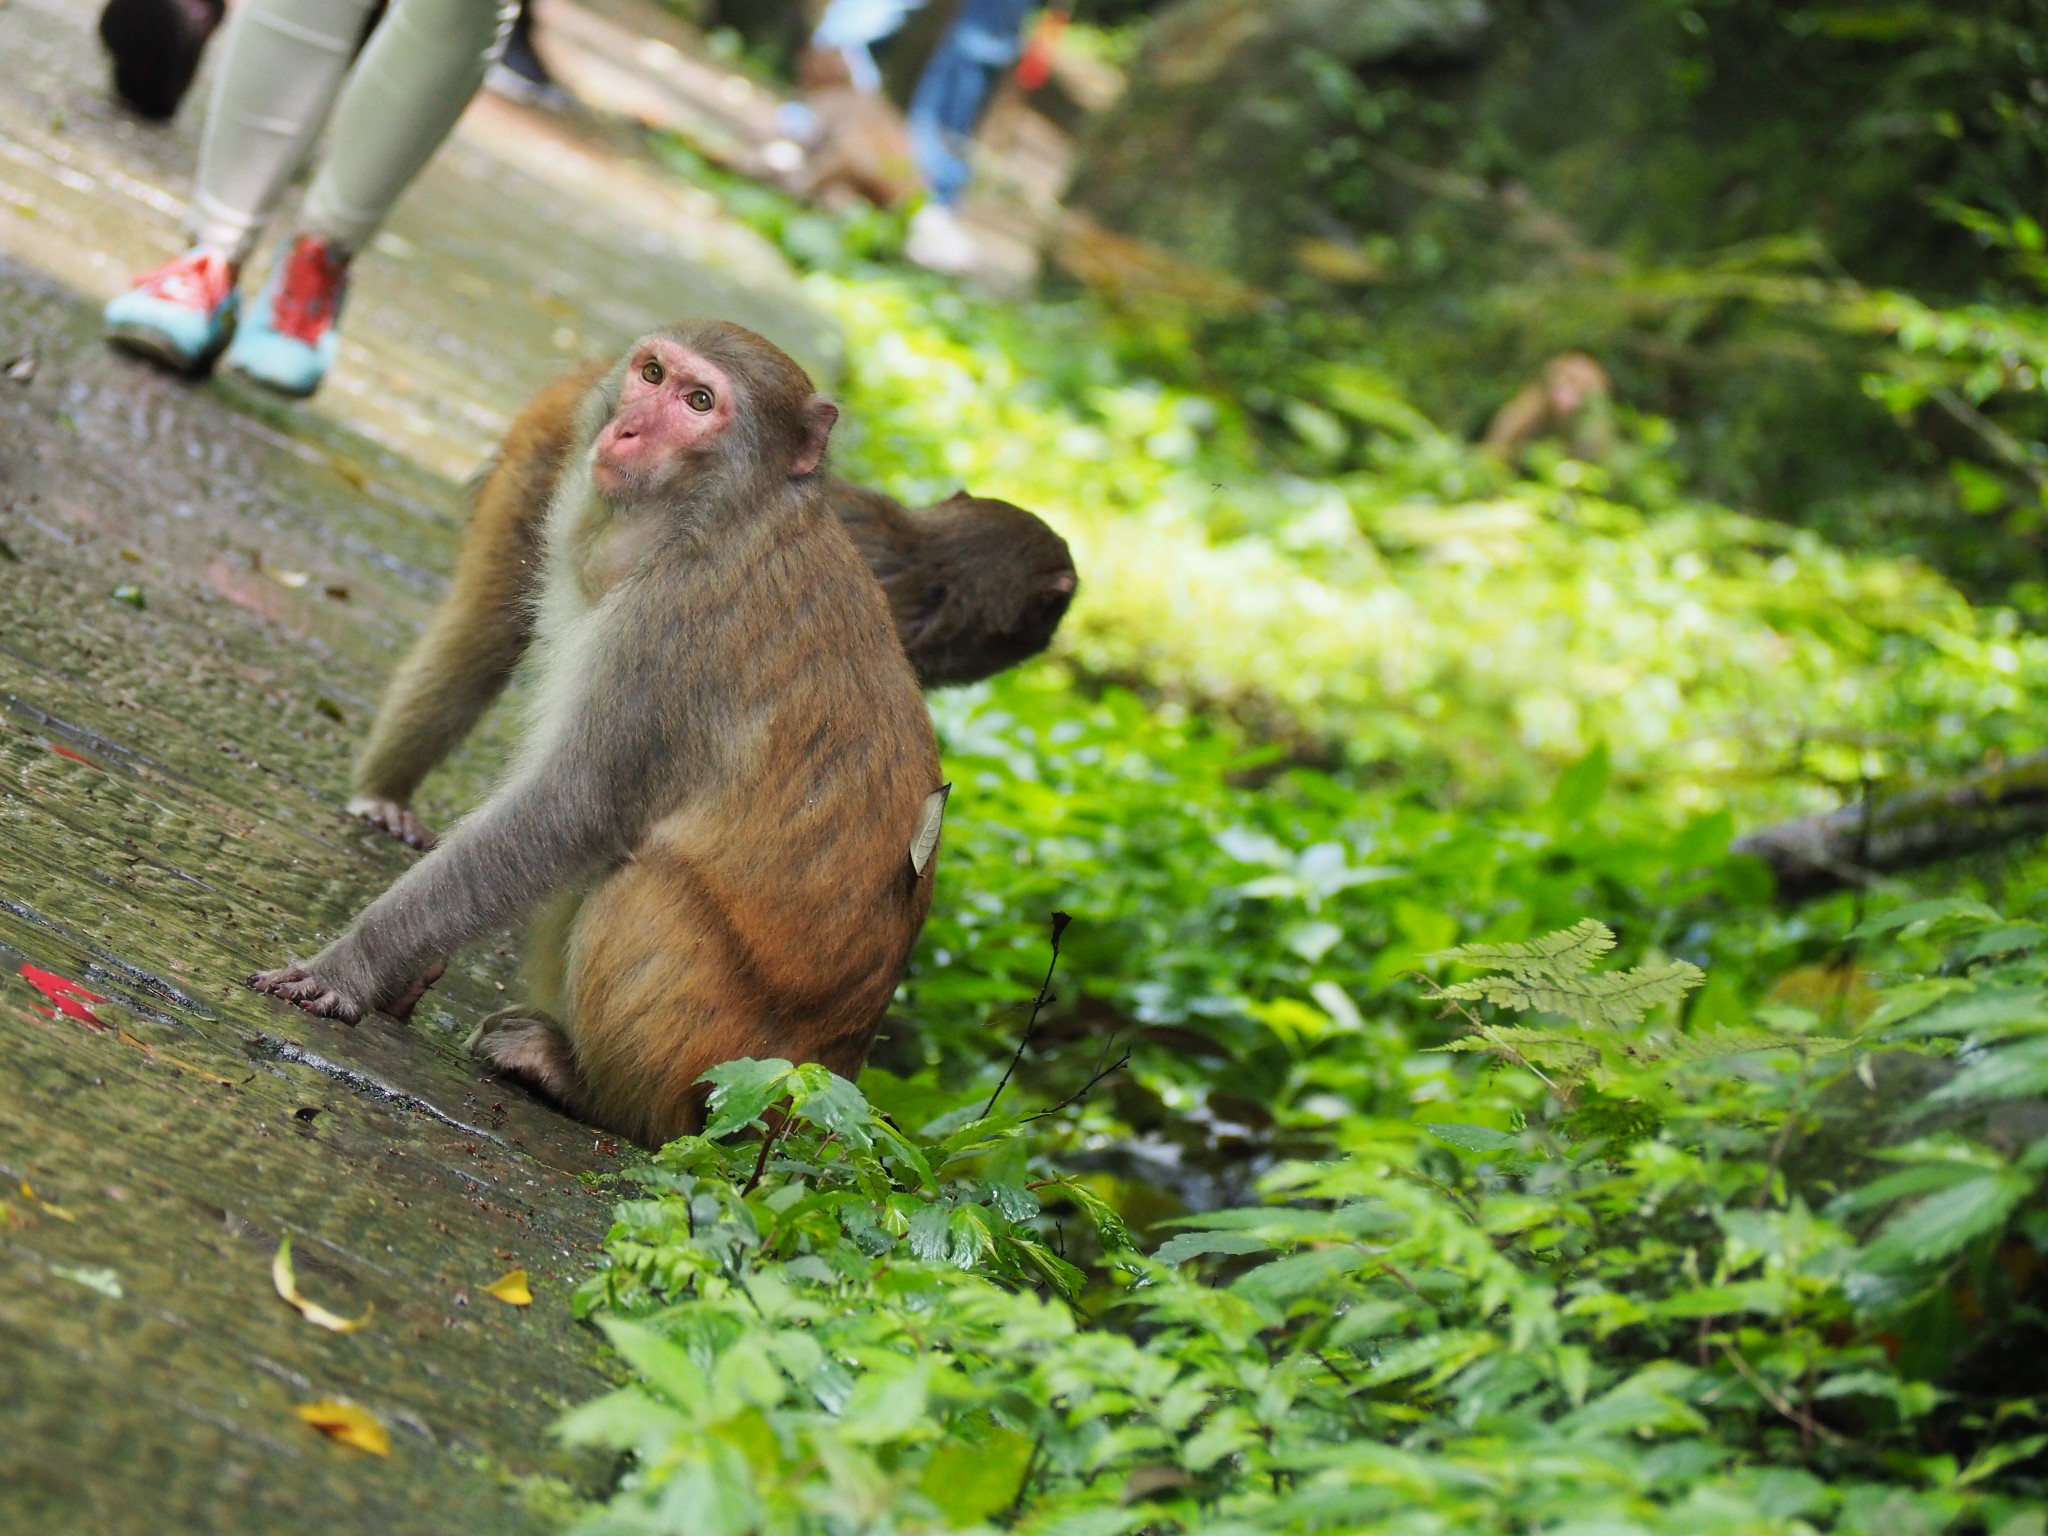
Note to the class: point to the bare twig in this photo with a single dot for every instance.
(1808, 1425)
(761, 1162)
(1059, 922)
(1103, 1068)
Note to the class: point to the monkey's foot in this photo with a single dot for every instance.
(532, 1049)
(398, 820)
(296, 986)
(401, 1006)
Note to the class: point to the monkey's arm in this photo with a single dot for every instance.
(482, 628)
(578, 804)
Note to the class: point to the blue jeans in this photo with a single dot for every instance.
(984, 40)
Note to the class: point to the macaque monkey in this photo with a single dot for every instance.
(727, 795)
(975, 585)
(1570, 401)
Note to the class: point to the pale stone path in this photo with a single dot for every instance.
(200, 593)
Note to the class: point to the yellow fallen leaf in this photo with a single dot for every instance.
(512, 1289)
(47, 1207)
(287, 1285)
(348, 1424)
(172, 1061)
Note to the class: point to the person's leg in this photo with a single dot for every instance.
(419, 70)
(852, 28)
(984, 40)
(284, 61)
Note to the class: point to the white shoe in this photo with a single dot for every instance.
(939, 242)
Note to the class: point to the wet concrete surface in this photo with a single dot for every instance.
(201, 591)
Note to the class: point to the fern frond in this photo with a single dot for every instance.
(1719, 1043)
(1613, 998)
(1564, 953)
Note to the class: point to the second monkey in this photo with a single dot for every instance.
(974, 585)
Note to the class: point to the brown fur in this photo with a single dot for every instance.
(975, 585)
(726, 766)
(1570, 401)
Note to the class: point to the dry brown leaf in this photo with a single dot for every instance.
(512, 1289)
(348, 1424)
(287, 1285)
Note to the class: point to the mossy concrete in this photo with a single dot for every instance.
(201, 592)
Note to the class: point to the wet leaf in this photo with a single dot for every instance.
(291, 579)
(130, 594)
(512, 1288)
(326, 706)
(94, 1278)
(66, 996)
(348, 1424)
(287, 1284)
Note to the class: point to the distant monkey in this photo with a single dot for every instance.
(1570, 401)
(976, 585)
(728, 790)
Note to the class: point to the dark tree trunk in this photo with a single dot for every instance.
(1204, 154)
(1814, 855)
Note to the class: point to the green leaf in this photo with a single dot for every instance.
(1189, 1245)
(2008, 1072)
(660, 1361)
(888, 1404)
(832, 1104)
(931, 1233)
(741, 1092)
(1941, 1224)
(970, 1480)
(1923, 912)
(1473, 1138)
(1580, 788)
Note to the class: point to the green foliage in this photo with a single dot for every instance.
(1443, 1325)
(1345, 1182)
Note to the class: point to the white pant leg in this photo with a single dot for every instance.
(284, 61)
(420, 70)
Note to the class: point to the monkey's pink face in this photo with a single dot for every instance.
(675, 405)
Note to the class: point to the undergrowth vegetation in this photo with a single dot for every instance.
(1427, 1124)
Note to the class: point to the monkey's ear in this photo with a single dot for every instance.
(819, 414)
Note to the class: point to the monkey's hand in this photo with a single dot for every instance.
(296, 985)
(398, 820)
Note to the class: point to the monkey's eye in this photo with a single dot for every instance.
(699, 400)
(651, 371)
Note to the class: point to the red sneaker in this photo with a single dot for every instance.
(180, 315)
(289, 341)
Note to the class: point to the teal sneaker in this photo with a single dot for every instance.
(180, 315)
(288, 342)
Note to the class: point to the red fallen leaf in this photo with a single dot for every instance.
(66, 996)
(76, 757)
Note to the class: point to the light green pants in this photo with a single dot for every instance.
(286, 63)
